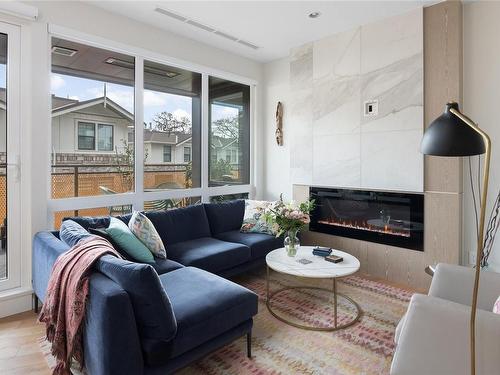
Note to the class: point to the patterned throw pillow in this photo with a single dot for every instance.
(496, 306)
(253, 221)
(146, 232)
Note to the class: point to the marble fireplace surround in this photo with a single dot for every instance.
(330, 79)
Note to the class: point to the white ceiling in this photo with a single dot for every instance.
(274, 26)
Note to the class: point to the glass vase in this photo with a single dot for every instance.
(292, 243)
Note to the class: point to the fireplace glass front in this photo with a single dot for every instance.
(384, 217)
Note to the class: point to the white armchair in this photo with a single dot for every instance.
(433, 336)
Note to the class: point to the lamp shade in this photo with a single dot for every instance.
(448, 135)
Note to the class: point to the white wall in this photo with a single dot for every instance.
(277, 167)
(323, 85)
(481, 96)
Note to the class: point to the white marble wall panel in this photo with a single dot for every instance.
(332, 142)
(391, 160)
(301, 114)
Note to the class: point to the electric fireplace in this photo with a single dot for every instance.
(384, 217)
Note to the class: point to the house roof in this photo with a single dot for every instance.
(220, 142)
(155, 136)
(60, 106)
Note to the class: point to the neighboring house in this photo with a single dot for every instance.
(92, 131)
(166, 148)
(226, 149)
(88, 132)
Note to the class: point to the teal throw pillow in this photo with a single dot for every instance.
(128, 242)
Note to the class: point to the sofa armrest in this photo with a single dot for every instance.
(111, 339)
(455, 283)
(45, 250)
(434, 339)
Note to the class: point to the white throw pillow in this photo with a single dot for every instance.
(146, 232)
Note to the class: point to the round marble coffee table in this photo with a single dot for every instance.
(307, 265)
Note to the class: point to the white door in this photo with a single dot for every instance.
(10, 173)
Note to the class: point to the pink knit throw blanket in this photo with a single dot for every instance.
(63, 310)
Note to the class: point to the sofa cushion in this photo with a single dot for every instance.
(181, 224)
(205, 306)
(71, 233)
(162, 266)
(152, 308)
(96, 221)
(209, 253)
(121, 234)
(259, 244)
(225, 216)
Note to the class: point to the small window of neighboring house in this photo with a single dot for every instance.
(228, 156)
(86, 136)
(234, 156)
(187, 154)
(104, 137)
(167, 153)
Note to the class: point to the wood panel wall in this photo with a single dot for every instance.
(442, 176)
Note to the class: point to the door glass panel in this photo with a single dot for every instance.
(3, 157)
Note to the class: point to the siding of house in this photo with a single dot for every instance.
(64, 128)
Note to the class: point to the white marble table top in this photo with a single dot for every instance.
(279, 261)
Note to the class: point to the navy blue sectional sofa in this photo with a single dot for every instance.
(157, 318)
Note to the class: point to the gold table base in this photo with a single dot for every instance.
(335, 327)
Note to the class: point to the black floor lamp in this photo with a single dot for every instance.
(454, 134)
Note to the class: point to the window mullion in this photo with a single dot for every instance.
(205, 196)
(139, 134)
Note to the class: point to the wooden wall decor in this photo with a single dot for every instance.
(279, 124)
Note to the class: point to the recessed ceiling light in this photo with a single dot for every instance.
(314, 15)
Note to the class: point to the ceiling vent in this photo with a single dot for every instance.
(204, 27)
(63, 51)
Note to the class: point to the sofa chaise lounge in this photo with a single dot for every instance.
(156, 318)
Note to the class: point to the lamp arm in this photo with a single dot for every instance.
(479, 251)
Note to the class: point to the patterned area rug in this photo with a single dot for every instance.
(277, 348)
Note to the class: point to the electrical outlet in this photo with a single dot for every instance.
(472, 257)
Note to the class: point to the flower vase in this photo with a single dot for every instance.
(292, 243)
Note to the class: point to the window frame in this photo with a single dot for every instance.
(138, 196)
(98, 137)
(169, 153)
(188, 154)
(96, 124)
(78, 123)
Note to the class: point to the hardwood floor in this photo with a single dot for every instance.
(19, 345)
(20, 351)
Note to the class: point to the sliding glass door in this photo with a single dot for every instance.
(10, 224)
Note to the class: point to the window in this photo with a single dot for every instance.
(86, 136)
(95, 88)
(167, 153)
(105, 137)
(187, 154)
(229, 132)
(172, 114)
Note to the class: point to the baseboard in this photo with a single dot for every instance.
(15, 302)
